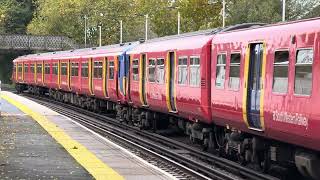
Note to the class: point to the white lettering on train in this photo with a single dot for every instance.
(296, 119)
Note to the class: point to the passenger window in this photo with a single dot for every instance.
(47, 69)
(195, 71)
(26, 68)
(280, 72)
(234, 74)
(39, 68)
(135, 69)
(221, 70)
(32, 68)
(74, 69)
(303, 72)
(84, 70)
(97, 71)
(111, 69)
(64, 69)
(19, 68)
(55, 69)
(183, 70)
(152, 70)
(160, 70)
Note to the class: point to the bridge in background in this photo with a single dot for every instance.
(40, 43)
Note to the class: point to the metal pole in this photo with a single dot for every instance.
(0, 97)
(85, 31)
(100, 35)
(120, 31)
(223, 13)
(147, 16)
(178, 22)
(283, 10)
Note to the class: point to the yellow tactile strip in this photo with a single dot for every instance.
(80, 153)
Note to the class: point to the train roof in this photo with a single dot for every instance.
(110, 50)
(263, 32)
(186, 41)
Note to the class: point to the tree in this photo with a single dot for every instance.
(267, 11)
(15, 15)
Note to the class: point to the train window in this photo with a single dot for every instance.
(19, 68)
(26, 68)
(39, 68)
(74, 69)
(234, 74)
(64, 69)
(280, 72)
(47, 69)
(55, 69)
(303, 72)
(135, 69)
(111, 69)
(152, 70)
(32, 68)
(160, 70)
(221, 70)
(183, 70)
(84, 70)
(97, 71)
(195, 71)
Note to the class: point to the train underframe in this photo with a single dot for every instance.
(257, 152)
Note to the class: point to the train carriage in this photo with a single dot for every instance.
(172, 76)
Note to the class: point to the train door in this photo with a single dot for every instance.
(171, 80)
(122, 74)
(255, 80)
(90, 74)
(143, 73)
(104, 77)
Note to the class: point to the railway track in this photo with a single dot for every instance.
(176, 158)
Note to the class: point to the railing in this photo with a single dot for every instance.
(29, 42)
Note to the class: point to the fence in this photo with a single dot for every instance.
(29, 42)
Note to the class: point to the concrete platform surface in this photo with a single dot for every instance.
(102, 155)
(28, 152)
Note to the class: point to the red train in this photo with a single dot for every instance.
(248, 91)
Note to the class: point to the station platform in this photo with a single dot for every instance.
(38, 143)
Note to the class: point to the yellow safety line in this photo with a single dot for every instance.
(80, 153)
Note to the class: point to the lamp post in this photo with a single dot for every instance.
(146, 35)
(283, 10)
(120, 31)
(179, 22)
(100, 33)
(223, 10)
(85, 30)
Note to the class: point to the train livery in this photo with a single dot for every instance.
(247, 91)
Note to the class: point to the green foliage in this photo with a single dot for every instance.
(15, 15)
(267, 11)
